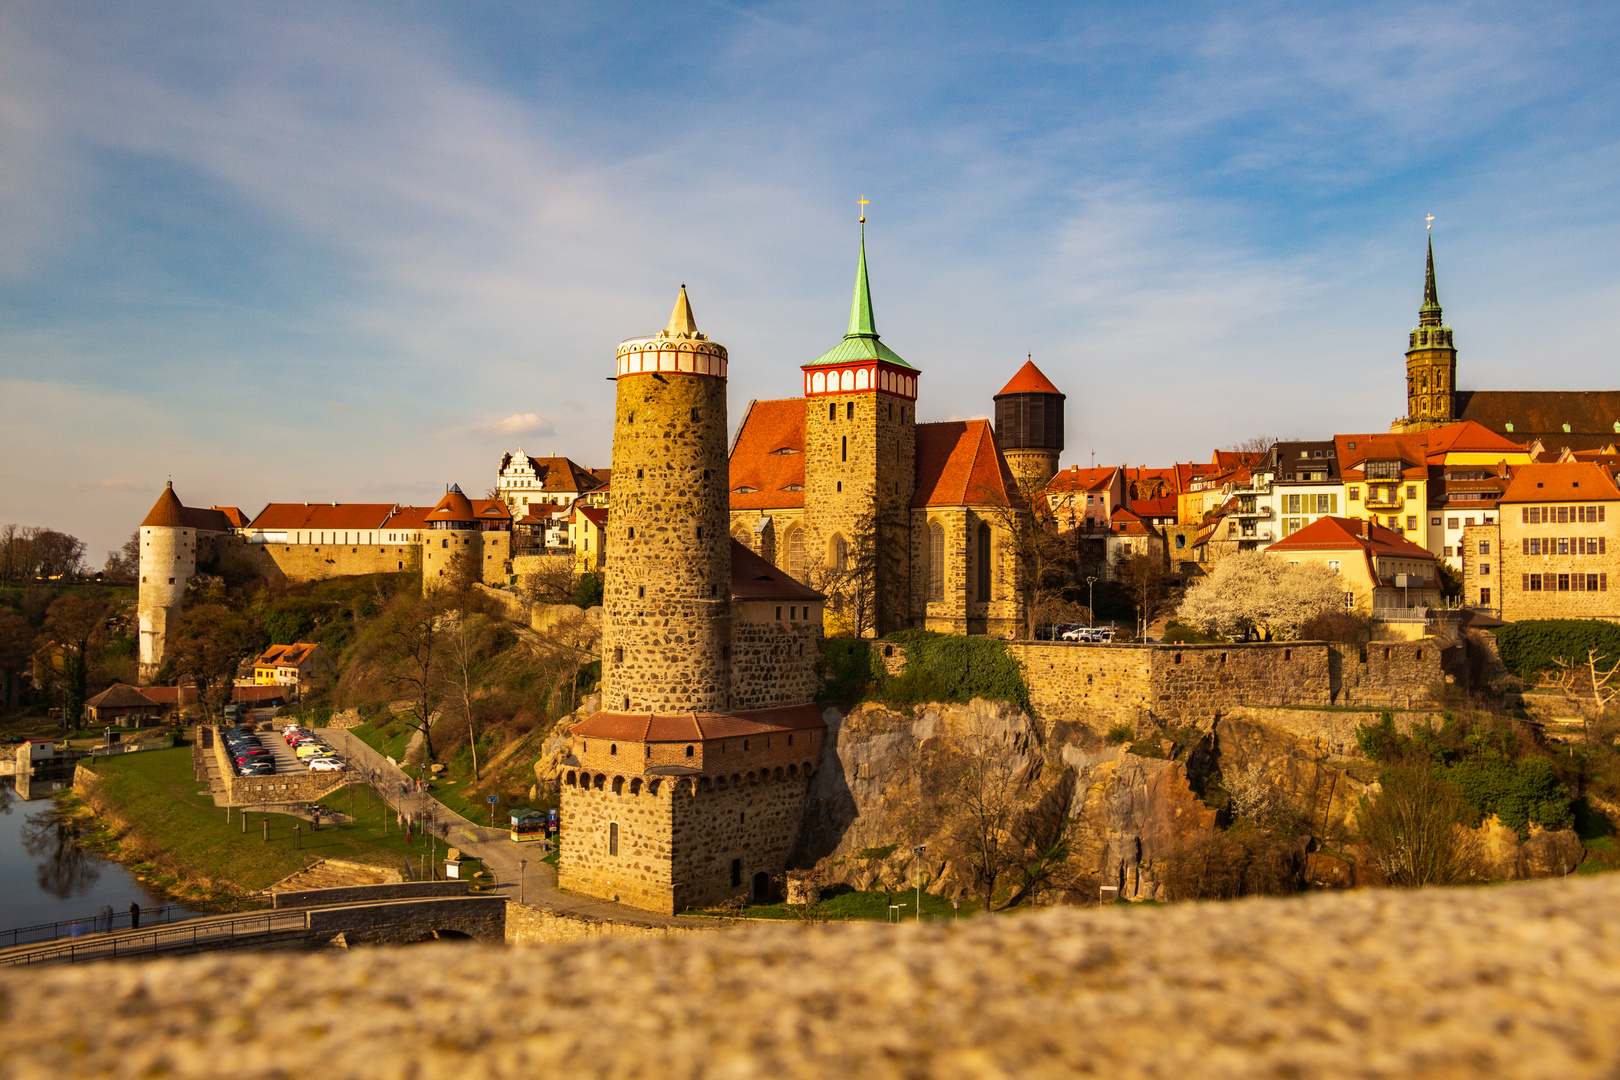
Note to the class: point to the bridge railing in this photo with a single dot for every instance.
(172, 936)
(91, 924)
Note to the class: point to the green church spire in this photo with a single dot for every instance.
(860, 308)
(1429, 313)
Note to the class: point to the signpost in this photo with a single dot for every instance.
(493, 799)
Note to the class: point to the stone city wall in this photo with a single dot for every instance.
(482, 918)
(1393, 673)
(727, 836)
(638, 874)
(316, 562)
(772, 656)
(527, 925)
(1100, 685)
(1195, 682)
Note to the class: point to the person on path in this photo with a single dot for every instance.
(107, 917)
(134, 915)
(75, 930)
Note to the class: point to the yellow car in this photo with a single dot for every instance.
(309, 749)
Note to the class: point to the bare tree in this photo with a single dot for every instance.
(1603, 692)
(1254, 444)
(415, 652)
(1042, 560)
(60, 556)
(1150, 585)
(984, 798)
(125, 563)
(76, 623)
(16, 652)
(468, 635)
(207, 646)
(1412, 828)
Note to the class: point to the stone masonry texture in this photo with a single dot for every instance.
(1520, 981)
(666, 631)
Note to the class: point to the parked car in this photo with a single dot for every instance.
(312, 749)
(326, 764)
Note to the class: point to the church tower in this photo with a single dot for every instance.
(1431, 362)
(667, 594)
(860, 469)
(1029, 426)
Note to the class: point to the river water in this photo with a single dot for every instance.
(46, 877)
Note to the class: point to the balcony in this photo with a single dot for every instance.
(1384, 499)
(1258, 513)
(1263, 535)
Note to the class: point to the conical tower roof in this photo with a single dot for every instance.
(861, 342)
(453, 507)
(1029, 380)
(167, 513)
(1429, 314)
(681, 322)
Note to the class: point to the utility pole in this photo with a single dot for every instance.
(918, 852)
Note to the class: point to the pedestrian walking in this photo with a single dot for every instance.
(134, 915)
(75, 930)
(107, 917)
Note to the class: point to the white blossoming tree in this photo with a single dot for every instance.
(1254, 591)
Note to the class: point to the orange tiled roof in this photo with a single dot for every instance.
(696, 727)
(1570, 481)
(1343, 534)
(1075, 478)
(958, 464)
(286, 655)
(490, 510)
(1029, 380)
(767, 457)
(323, 516)
(169, 513)
(455, 506)
(1232, 459)
(406, 517)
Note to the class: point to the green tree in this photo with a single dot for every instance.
(16, 653)
(207, 645)
(77, 624)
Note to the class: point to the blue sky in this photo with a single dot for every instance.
(354, 251)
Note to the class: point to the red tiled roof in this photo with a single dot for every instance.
(1075, 478)
(187, 695)
(958, 464)
(286, 655)
(1155, 508)
(758, 461)
(168, 513)
(559, 473)
(1029, 380)
(1343, 534)
(752, 578)
(490, 510)
(406, 517)
(453, 507)
(1570, 481)
(596, 515)
(696, 727)
(237, 519)
(1232, 459)
(324, 516)
(120, 696)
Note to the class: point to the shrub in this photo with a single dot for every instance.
(1176, 633)
(588, 593)
(1121, 733)
(1224, 865)
(1337, 625)
(847, 668)
(1412, 829)
(1517, 793)
(1530, 647)
(949, 667)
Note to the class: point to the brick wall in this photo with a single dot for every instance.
(773, 659)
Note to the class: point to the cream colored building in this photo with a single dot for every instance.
(1382, 570)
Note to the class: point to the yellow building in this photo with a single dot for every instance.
(290, 665)
(1382, 570)
(587, 537)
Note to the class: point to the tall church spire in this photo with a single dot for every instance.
(1429, 313)
(861, 323)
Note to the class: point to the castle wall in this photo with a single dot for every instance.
(317, 562)
(773, 653)
(789, 750)
(1103, 685)
(666, 631)
(726, 836)
(640, 873)
(168, 562)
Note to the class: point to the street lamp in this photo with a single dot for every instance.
(1090, 593)
(917, 852)
(523, 881)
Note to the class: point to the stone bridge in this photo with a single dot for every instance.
(397, 914)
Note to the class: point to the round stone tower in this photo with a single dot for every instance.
(168, 562)
(1029, 426)
(666, 631)
(450, 533)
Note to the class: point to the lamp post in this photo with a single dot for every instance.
(1091, 616)
(917, 853)
(523, 881)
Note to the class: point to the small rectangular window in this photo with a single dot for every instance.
(1485, 596)
(1484, 547)
(1484, 569)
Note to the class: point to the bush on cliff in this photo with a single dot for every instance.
(1535, 645)
(949, 667)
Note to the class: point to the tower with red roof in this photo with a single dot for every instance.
(1029, 426)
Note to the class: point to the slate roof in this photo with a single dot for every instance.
(753, 578)
(1593, 416)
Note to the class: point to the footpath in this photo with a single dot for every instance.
(493, 847)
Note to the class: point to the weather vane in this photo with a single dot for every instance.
(1430, 220)
(863, 200)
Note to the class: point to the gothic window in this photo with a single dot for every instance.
(795, 546)
(936, 561)
(840, 554)
(984, 562)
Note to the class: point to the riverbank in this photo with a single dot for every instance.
(148, 812)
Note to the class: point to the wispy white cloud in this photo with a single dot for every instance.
(516, 424)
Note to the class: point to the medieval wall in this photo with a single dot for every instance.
(1194, 682)
(728, 835)
(1392, 673)
(639, 873)
(773, 653)
(1102, 685)
(316, 562)
(739, 757)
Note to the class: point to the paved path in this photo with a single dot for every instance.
(493, 847)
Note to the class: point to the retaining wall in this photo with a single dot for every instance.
(281, 788)
(535, 926)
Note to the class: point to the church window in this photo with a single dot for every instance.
(984, 562)
(840, 554)
(796, 554)
(936, 561)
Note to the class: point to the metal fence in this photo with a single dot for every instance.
(199, 932)
(92, 924)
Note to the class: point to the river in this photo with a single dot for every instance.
(46, 877)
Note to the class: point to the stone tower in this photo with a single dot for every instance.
(860, 446)
(1431, 362)
(450, 533)
(667, 592)
(168, 563)
(1029, 426)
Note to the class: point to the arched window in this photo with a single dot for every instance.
(936, 561)
(741, 535)
(840, 553)
(984, 562)
(795, 546)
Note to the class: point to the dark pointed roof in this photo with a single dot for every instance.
(169, 513)
(1429, 313)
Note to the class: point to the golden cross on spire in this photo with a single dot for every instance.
(1430, 220)
(864, 201)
